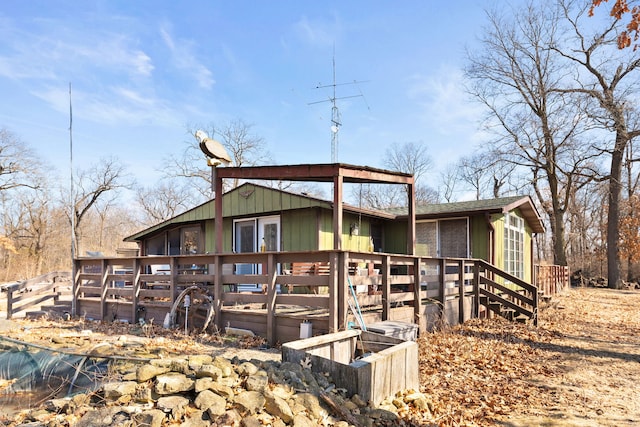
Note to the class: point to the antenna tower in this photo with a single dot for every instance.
(336, 119)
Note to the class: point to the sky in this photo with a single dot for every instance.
(144, 72)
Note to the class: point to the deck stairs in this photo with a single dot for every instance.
(506, 295)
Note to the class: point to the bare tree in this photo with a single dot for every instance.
(163, 201)
(244, 147)
(18, 163)
(537, 129)
(607, 77)
(485, 173)
(94, 184)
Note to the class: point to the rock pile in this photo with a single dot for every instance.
(203, 390)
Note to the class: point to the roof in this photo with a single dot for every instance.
(206, 210)
(498, 205)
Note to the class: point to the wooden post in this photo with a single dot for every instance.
(342, 290)
(386, 287)
(441, 288)
(103, 289)
(476, 289)
(74, 287)
(337, 212)
(334, 300)
(218, 220)
(218, 290)
(9, 302)
(135, 288)
(173, 269)
(272, 334)
(417, 292)
(461, 291)
(411, 220)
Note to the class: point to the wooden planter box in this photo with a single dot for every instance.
(387, 366)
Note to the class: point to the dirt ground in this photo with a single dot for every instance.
(579, 367)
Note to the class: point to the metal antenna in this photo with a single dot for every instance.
(336, 119)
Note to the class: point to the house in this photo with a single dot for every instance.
(258, 218)
(417, 264)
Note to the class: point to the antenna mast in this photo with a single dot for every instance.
(336, 119)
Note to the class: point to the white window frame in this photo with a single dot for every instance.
(514, 244)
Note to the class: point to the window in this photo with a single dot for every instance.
(514, 245)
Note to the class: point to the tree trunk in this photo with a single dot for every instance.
(613, 227)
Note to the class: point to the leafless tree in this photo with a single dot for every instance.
(163, 201)
(94, 184)
(485, 173)
(18, 163)
(607, 79)
(537, 129)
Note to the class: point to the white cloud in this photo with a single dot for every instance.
(317, 33)
(186, 60)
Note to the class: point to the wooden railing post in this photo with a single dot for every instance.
(173, 267)
(342, 290)
(476, 289)
(9, 302)
(103, 289)
(441, 288)
(417, 291)
(218, 291)
(271, 300)
(334, 291)
(135, 288)
(461, 277)
(386, 287)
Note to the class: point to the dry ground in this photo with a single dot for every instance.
(579, 367)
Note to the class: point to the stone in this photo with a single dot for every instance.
(278, 407)
(197, 360)
(311, 404)
(208, 370)
(147, 372)
(301, 420)
(358, 400)
(251, 421)
(229, 418)
(224, 364)
(250, 401)
(173, 382)
(102, 417)
(116, 390)
(60, 406)
(174, 405)
(211, 402)
(196, 419)
(256, 382)
(247, 368)
(207, 383)
(151, 418)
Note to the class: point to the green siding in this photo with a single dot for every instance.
(299, 230)
(395, 237)
(479, 237)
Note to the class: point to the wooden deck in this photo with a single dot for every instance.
(420, 290)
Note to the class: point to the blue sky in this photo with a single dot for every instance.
(143, 72)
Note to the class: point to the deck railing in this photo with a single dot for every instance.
(32, 292)
(263, 293)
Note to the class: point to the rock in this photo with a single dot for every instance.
(301, 420)
(174, 405)
(278, 407)
(250, 401)
(102, 417)
(208, 370)
(256, 382)
(247, 368)
(211, 402)
(311, 403)
(147, 372)
(173, 382)
(209, 384)
(116, 390)
(151, 418)
(197, 360)
(224, 364)
(59, 406)
(251, 421)
(358, 401)
(229, 418)
(196, 419)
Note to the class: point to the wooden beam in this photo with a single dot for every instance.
(411, 219)
(337, 212)
(218, 220)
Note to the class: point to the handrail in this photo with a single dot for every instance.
(37, 291)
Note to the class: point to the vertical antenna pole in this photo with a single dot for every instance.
(73, 210)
